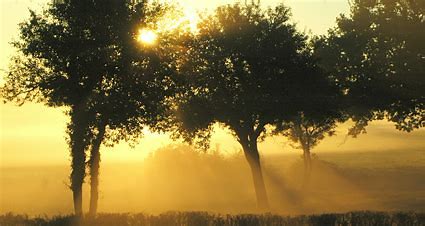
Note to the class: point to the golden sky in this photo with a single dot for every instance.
(34, 134)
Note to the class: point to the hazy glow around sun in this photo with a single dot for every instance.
(187, 19)
(34, 134)
(147, 36)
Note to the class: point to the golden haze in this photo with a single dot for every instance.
(33, 149)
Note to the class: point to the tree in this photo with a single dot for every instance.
(82, 55)
(308, 127)
(307, 130)
(246, 69)
(377, 55)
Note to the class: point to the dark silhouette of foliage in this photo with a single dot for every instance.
(202, 218)
(246, 69)
(377, 55)
(83, 55)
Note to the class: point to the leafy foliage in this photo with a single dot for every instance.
(86, 52)
(377, 55)
(306, 132)
(246, 69)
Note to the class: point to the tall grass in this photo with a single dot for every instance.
(203, 218)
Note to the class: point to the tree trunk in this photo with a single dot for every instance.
(77, 178)
(78, 200)
(77, 131)
(307, 167)
(253, 157)
(94, 164)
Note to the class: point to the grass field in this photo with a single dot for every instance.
(201, 219)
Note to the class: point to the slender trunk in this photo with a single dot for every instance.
(77, 131)
(307, 167)
(253, 157)
(94, 164)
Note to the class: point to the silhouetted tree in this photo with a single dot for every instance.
(377, 56)
(247, 68)
(307, 130)
(317, 120)
(83, 55)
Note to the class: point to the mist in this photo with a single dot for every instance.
(179, 178)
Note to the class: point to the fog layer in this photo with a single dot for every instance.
(178, 178)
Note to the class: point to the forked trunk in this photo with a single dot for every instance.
(253, 158)
(94, 164)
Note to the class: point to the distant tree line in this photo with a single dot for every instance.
(247, 68)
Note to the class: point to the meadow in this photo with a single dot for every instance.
(202, 218)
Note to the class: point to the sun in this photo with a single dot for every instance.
(147, 36)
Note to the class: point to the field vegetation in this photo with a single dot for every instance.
(202, 218)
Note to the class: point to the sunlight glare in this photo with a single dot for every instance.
(193, 18)
(148, 37)
(187, 19)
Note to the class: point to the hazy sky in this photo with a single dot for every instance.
(34, 134)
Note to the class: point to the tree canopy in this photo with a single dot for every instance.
(377, 55)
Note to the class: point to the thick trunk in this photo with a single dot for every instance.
(78, 200)
(253, 158)
(77, 129)
(94, 164)
(77, 178)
